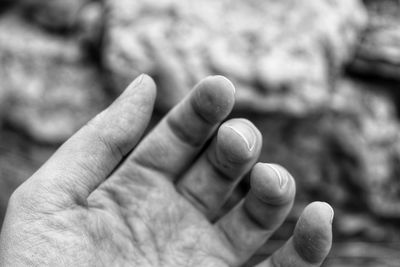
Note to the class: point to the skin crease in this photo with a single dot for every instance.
(107, 199)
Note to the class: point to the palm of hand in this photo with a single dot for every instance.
(152, 225)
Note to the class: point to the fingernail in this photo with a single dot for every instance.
(232, 85)
(229, 82)
(138, 80)
(281, 178)
(245, 132)
(331, 211)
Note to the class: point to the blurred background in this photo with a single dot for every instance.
(320, 78)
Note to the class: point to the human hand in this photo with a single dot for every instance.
(107, 198)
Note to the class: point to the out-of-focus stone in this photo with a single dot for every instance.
(54, 14)
(3, 102)
(90, 24)
(363, 226)
(349, 253)
(280, 54)
(53, 88)
(348, 154)
(82, 18)
(373, 137)
(379, 52)
(358, 253)
(19, 159)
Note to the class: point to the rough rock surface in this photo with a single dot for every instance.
(370, 138)
(379, 52)
(52, 88)
(3, 102)
(54, 14)
(82, 18)
(350, 254)
(19, 159)
(281, 54)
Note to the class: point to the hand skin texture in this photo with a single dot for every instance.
(109, 198)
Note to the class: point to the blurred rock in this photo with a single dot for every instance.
(82, 18)
(356, 225)
(54, 14)
(3, 103)
(19, 159)
(379, 51)
(347, 155)
(346, 254)
(281, 54)
(350, 254)
(370, 136)
(90, 24)
(53, 88)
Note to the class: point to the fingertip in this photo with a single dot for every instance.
(223, 82)
(320, 212)
(313, 233)
(238, 141)
(214, 98)
(144, 82)
(272, 184)
(147, 79)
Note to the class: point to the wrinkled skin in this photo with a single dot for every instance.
(148, 224)
(108, 198)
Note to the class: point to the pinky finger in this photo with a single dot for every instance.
(311, 241)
